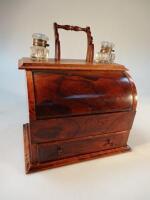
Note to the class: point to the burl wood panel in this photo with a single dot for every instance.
(74, 127)
(65, 93)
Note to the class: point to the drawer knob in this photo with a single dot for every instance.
(59, 149)
(110, 142)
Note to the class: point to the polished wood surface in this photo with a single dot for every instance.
(75, 127)
(31, 167)
(77, 111)
(90, 45)
(64, 93)
(67, 64)
(31, 95)
(134, 91)
(65, 149)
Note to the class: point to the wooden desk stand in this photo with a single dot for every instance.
(78, 110)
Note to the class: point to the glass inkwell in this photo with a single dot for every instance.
(106, 53)
(39, 50)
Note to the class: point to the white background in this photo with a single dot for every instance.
(124, 22)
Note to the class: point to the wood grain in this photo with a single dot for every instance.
(30, 168)
(65, 93)
(77, 111)
(65, 149)
(67, 64)
(134, 91)
(75, 127)
(31, 95)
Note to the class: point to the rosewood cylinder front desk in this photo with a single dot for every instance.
(77, 111)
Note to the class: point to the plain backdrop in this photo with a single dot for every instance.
(126, 23)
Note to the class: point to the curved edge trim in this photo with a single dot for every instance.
(134, 90)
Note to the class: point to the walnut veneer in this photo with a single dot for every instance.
(78, 111)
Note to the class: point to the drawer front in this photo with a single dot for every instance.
(75, 127)
(51, 152)
(68, 93)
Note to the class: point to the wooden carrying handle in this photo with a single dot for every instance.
(90, 45)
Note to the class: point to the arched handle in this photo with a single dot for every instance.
(90, 45)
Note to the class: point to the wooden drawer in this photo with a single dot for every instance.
(64, 149)
(82, 126)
